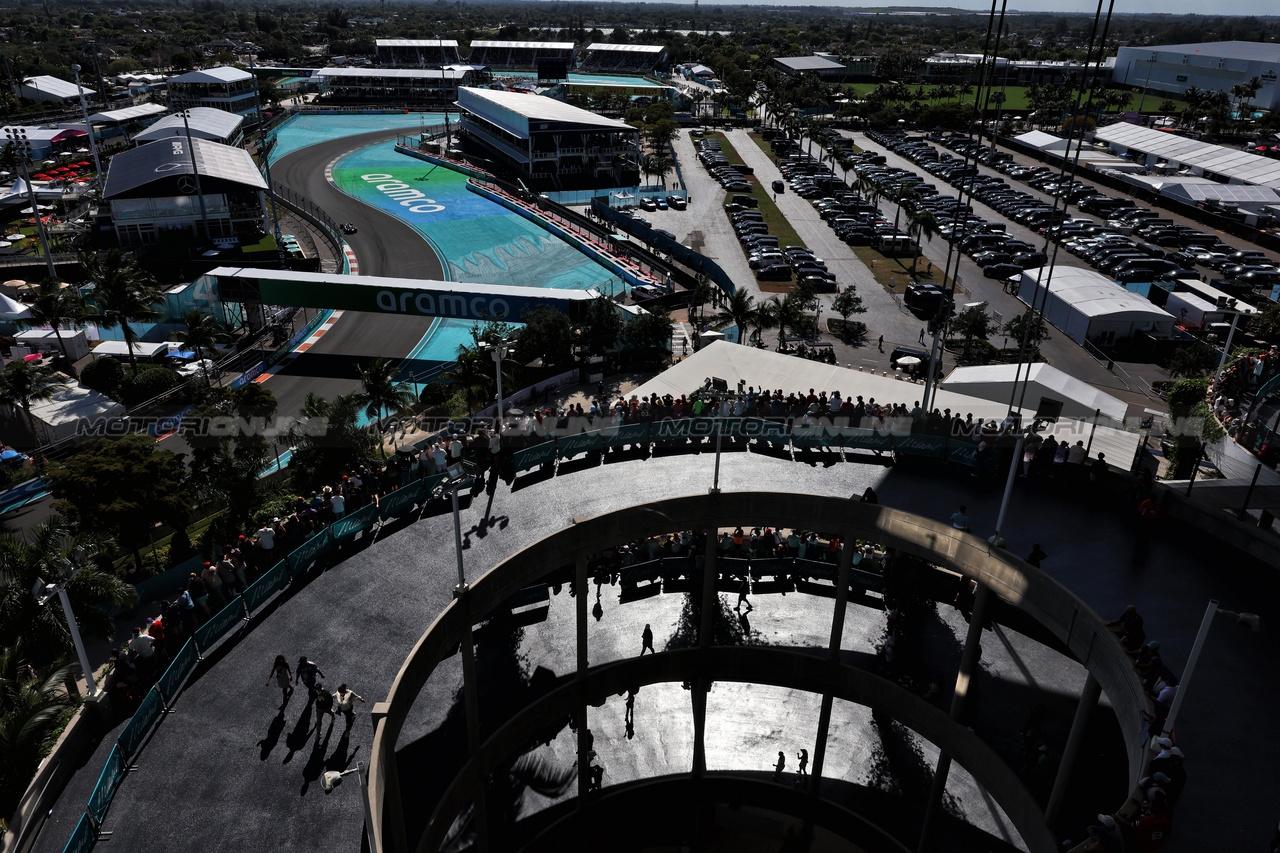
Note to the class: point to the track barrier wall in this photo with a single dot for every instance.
(275, 579)
(183, 663)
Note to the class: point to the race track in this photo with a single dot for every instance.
(384, 246)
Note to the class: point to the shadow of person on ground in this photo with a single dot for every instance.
(269, 742)
(297, 738)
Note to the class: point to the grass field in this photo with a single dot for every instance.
(773, 218)
(1016, 98)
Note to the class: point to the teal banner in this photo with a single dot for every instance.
(310, 551)
(574, 444)
(532, 457)
(83, 838)
(401, 500)
(814, 436)
(430, 484)
(866, 439)
(222, 622)
(682, 429)
(629, 434)
(108, 781)
(774, 432)
(135, 731)
(171, 682)
(963, 452)
(266, 586)
(920, 445)
(353, 523)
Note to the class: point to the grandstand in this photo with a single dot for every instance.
(625, 58)
(416, 53)
(437, 86)
(522, 55)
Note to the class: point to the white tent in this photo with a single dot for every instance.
(1086, 305)
(1042, 141)
(141, 349)
(11, 309)
(996, 382)
(62, 417)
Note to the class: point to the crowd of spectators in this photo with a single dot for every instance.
(1245, 376)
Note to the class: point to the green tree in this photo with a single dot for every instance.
(55, 306)
(1192, 360)
(93, 592)
(651, 330)
(23, 383)
(123, 488)
(202, 333)
(1267, 324)
(972, 323)
(31, 705)
(547, 335)
(1015, 326)
(382, 394)
(123, 293)
(846, 304)
(603, 326)
(784, 313)
(230, 433)
(103, 375)
(472, 378)
(328, 441)
(738, 308)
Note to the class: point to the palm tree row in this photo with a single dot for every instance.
(781, 313)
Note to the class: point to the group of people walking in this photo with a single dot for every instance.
(308, 674)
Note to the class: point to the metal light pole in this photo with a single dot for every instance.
(84, 108)
(715, 483)
(195, 172)
(1226, 348)
(43, 592)
(457, 473)
(498, 352)
(18, 136)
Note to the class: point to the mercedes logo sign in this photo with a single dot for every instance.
(186, 184)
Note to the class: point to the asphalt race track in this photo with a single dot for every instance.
(384, 246)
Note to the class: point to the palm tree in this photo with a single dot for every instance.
(328, 440)
(30, 706)
(922, 227)
(382, 393)
(23, 561)
(737, 309)
(202, 333)
(661, 165)
(472, 376)
(25, 382)
(123, 292)
(55, 306)
(785, 313)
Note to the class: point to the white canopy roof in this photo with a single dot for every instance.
(1231, 163)
(1042, 141)
(221, 74)
(1093, 294)
(141, 349)
(996, 382)
(11, 309)
(56, 87)
(128, 113)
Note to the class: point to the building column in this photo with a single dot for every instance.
(968, 663)
(584, 761)
(471, 698)
(700, 685)
(833, 657)
(1088, 701)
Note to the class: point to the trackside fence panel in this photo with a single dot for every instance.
(276, 578)
(108, 781)
(222, 622)
(183, 662)
(149, 710)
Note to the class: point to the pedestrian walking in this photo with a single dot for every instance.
(307, 672)
(780, 766)
(880, 344)
(344, 701)
(284, 679)
(324, 705)
(803, 755)
(922, 336)
(742, 596)
(646, 637)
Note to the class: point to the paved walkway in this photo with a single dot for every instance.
(227, 770)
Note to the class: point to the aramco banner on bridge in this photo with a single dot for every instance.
(377, 295)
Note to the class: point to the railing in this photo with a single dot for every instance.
(309, 210)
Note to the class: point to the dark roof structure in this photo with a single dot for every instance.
(158, 169)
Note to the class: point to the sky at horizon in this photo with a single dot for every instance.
(1238, 9)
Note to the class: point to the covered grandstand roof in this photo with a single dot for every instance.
(627, 48)
(55, 87)
(809, 63)
(451, 72)
(221, 74)
(526, 45)
(1248, 50)
(205, 123)
(516, 112)
(1231, 163)
(128, 113)
(415, 43)
(132, 172)
(1231, 193)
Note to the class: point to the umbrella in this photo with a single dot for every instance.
(27, 210)
(81, 163)
(908, 361)
(182, 354)
(15, 236)
(49, 162)
(7, 455)
(82, 150)
(35, 356)
(4, 244)
(515, 412)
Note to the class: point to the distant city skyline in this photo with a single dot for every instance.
(1239, 9)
